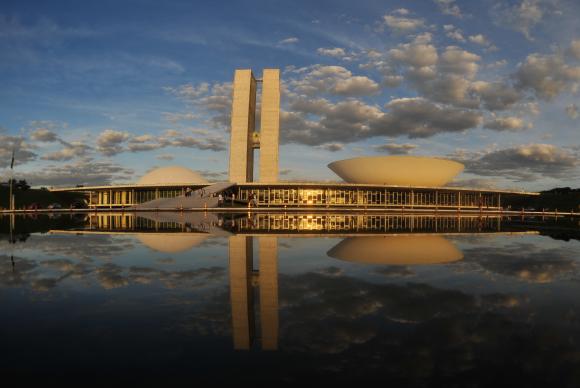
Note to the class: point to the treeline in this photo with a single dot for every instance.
(25, 197)
(563, 199)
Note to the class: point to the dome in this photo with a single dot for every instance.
(397, 170)
(170, 175)
(397, 250)
(171, 242)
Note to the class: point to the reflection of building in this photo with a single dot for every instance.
(308, 224)
(242, 281)
(369, 182)
(412, 249)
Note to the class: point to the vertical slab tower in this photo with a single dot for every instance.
(243, 123)
(270, 126)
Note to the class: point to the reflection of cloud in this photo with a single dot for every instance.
(526, 262)
(81, 246)
(394, 271)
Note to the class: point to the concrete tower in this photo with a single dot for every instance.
(244, 139)
(243, 124)
(270, 126)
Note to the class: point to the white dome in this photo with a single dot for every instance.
(171, 175)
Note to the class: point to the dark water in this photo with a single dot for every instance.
(413, 301)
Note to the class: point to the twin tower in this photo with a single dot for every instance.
(244, 138)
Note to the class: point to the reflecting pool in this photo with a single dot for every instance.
(291, 297)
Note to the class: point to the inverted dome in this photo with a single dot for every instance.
(397, 170)
(171, 174)
(397, 250)
(171, 242)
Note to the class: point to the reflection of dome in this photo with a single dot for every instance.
(171, 242)
(171, 174)
(397, 170)
(397, 250)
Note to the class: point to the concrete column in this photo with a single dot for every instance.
(270, 126)
(242, 127)
(241, 293)
(268, 253)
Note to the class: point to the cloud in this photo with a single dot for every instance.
(213, 102)
(332, 147)
(506, 124)
(546, 76)
(572, 111)
(70, 151)
(395, 149)
(534, 264)
(522, 17)
(334, 80)
(335, 52)
(524, 162)
(495, 95)
(43, 135)
(482, 40)
(291, 40)
(453, 32)
(574, 49)
(177, 117)
(418, 117)
(164, 157)
(86, 171)
(417, 55)
(448, 7)
(402, 24)
(110, 141)
(23, 152)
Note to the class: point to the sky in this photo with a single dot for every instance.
(102, 92)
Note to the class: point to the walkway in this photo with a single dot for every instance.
(202, 198)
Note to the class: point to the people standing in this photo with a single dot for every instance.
(220, 200)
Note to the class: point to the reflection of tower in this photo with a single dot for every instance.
(241, 291)
(243, 138)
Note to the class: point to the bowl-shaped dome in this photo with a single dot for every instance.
(170, 175)
(397, 170)
(171, 242)
(397, 250)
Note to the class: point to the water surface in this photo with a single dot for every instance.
(288, 298)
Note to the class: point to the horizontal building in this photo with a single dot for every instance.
(368, 182)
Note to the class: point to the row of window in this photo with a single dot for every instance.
(368, 197)
(368, 223)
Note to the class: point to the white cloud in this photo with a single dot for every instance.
(453, 32)
(448, 7)
(43, 135)
(506, 124)
(290, 40)
(395, 149)
(522, 17)
(110, 141)
(335, 80)
(402, 24)
(547, 75)
(335, 52)
(332, 147)
(524, 162)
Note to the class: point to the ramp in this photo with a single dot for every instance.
(199, 198)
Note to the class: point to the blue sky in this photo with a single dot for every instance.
(103, 92)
